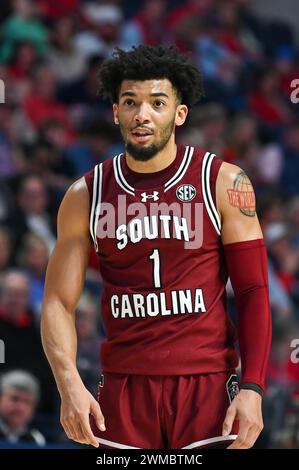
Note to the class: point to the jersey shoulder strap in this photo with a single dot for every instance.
(94, 182)
(209, 172)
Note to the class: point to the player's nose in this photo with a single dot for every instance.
(143, 113)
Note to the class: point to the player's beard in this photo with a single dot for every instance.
(143, 154)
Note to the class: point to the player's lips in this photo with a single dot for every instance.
(141, 134)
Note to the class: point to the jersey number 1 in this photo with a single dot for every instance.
(155, 256)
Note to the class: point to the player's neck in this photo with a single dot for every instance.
(159, 162)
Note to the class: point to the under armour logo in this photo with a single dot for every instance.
(154, 196)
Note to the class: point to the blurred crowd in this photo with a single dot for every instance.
(54, 128)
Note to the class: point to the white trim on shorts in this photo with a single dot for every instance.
(230, 437)
(114, 444)
(211, 440)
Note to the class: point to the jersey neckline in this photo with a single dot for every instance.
(133, 182)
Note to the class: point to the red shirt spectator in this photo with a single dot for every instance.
(54, 9)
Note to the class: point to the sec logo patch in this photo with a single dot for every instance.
(186, 192)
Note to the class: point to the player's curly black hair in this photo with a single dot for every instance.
(148, 63)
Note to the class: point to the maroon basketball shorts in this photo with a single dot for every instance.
(165, 412)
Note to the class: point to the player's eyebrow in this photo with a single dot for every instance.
(157, 93)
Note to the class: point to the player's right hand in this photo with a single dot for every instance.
(76, 406)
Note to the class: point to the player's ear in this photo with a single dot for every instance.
(181, 114)
(115, 113)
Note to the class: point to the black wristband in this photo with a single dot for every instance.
(252, 386)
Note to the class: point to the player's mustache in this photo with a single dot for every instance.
(143, 128)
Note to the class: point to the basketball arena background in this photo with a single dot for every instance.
(54, 128)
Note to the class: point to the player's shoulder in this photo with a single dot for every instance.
(77, 189)
(104, 168)
(73, 213)
(76, 199)
(229, 173)
(232, 185)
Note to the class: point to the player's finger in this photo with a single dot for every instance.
(98, 415)
(66, 430)
(87, 433)
(252, 435)
(228, 421)
(68, 427)
(75, 432)
(241, 441)
(82, 433)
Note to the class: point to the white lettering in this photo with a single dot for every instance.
(114, 309)
(199, 304)
(154, 304)
(121, 236)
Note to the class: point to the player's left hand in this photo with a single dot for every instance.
(246, 407)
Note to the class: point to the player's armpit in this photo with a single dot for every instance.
(236, 204)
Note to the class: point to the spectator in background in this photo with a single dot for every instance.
(5, 250)
(284, 257)
(207, 126)
(6, 201)
(242, 143)
(93, 145)
(221, 66)
(5, 10)
(14, 299)
(269, 161)
(41, 104)
(31, 212)
(287, 67)
(85, 90)
(267, 103)
(280, 298)
(52, 10)
(22, 61)
(293, 213)
(281, 385)
(20, 68)
(33, 259)
(289, 182)
(104, 25)
(68, 64)
(148, 26)
(89, 340)
(8, 163)
(45, 158)
(270, 209)
(191, 8)
(23, 25)
(234, 35)
(19, 395)
(21, 336)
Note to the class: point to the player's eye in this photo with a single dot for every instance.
(158, 103)
(129, 102)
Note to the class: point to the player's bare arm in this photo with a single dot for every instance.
(236, 205)
(64, 283)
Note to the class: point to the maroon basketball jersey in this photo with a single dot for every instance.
(161, 260)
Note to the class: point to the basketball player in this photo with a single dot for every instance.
(169, 224)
